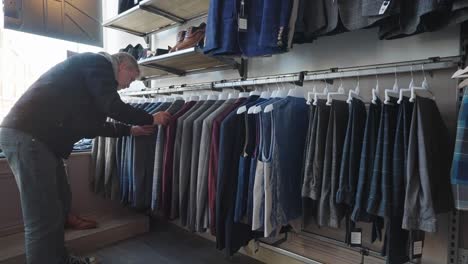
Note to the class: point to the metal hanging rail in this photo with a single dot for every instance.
(430, 64)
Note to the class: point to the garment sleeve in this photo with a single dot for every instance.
(100, 82)
(111, 129)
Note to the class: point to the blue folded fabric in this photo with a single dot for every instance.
(460, 156)
(83, 145)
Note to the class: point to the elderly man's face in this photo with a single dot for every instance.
(126, 76)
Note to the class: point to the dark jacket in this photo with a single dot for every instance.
(72, 101)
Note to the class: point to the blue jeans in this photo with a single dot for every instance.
(44, 192)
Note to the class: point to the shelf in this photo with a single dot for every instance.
(153, 15)
(183, 62)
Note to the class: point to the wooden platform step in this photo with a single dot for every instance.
(113, 227)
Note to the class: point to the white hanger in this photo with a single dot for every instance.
(463, 84)
(392, 92)
(297, 91)
(407, 91)
(232, 96)
(310, 95)
(213, 97)
(194, 98)
(460, 73)
(280, 94)
(355, 93)
(223, 96)
(322, 95)
(243, 108)
(178, 97)
(170, 99)
(203, 97)
(265, 95)
(338, 95)
(254, 93)
(375, 91)
(423, 91)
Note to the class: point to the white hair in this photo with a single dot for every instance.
(128, 59)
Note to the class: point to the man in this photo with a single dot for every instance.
(69, 102)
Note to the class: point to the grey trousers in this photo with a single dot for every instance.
(158, 158)
(99, 161)
(185, 181)
(176, 163)
(202, 177)
(196, 149)
(427, 191)
(111, 177)
(45, 195)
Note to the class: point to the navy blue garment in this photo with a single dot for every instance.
(349, 173)
(379, 195)
(221, 28)
(229, 235)
(275, 23)
(245, 164)
(267, 29)
(397, 239)
(366, 166)
(260, 39)
(290, 122)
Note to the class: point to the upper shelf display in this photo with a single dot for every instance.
(183, 62)
(153, 15)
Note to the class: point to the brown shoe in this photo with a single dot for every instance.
(77, 223)
(180, 38)
(194, 37)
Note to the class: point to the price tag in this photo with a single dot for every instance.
(242, 24)
(384, 7)
(417, 249)
(356, 237)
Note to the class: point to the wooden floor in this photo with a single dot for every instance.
(167, 243)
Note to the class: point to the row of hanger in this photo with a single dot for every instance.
(282, 90)
(412, 91)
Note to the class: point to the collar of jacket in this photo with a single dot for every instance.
(112, 60)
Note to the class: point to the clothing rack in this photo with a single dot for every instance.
(327, 75)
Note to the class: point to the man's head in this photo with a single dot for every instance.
(127, 69)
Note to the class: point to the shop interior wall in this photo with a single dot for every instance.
(344, 50)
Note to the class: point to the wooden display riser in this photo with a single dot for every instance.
(113, 227)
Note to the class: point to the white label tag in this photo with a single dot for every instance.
(356, 238)
(135, 2)
(242, 23)
(384, 7)
(417, 248)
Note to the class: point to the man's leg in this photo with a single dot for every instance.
(35, 170)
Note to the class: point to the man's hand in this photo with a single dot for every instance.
(142, 130)
(161, 118)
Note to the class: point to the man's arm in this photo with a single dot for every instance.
(102, 86)
(111, 129)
